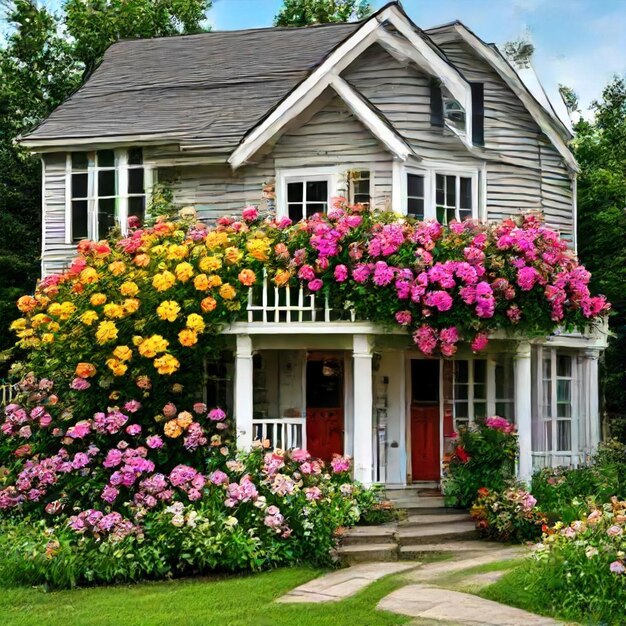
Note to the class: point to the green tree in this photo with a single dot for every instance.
(600, 147)
(96, 24)
(306, 12)
(37, 71)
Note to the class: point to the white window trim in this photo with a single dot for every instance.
(120, 168)
(298, 175)
(487, 400)
(429, 171)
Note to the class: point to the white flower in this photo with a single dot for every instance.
(178, 521)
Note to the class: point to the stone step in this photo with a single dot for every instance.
(466, 547)
(414, 535)
(371, 552)
(418, 501)
(447, 517)
(363, 535)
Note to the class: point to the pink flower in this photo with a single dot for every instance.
(341, 273)
(109, 494)
(315, 285)
(441, 300)
(527, 277)
(306, 272)
(80, 384)
(133, 430)
(132, 406)
(169, 410)
(480, 342)
(425, 338)
(299, 455)
(617, 567)
(250, 213)
(200, 408)
(218, 478)
(217, 415)
(404, 318)
(340, 463)
(361, 273)
(154, 442)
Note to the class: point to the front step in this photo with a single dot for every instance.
(364, 535)
(456, 531)
(381, 552)
(445, 516)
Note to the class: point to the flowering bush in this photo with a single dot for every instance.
(484, 456)
(583, 565)
(108, 442)
(509, 515)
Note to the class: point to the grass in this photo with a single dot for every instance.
(227, 601)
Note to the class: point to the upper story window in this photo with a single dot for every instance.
(360, 187)
(105, 188)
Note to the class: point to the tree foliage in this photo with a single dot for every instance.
(307, 12)
(600, 148)
(96, 24)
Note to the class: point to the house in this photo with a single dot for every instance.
(430, 123)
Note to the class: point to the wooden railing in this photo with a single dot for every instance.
(286, 433)
(268, 303)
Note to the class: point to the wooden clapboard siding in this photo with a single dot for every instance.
(55, 252)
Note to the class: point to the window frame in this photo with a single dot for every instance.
(470, 384)
(121, 169)
(355, 176)
(303, 175)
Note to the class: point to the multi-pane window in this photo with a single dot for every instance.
(415, 196)
(106, 187)
(453, 197)
(470, 391)
(504, 388)
(557, 401)
(360, 187)
(307, 197)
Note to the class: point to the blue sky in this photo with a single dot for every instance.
(580, 43)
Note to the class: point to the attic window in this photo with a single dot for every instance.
(453, 112)
(105, 188)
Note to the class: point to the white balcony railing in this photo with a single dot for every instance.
(268, 303)
(286, 433)
(7, 393)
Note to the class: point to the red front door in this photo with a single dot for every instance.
(324, 407)
(425, 432)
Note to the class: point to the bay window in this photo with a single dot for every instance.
(104, 188)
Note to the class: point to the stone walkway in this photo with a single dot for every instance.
(421, 598)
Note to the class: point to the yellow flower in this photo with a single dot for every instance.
(117, 268)
(107, 331)
(163, 281)
(184, 419)
(26, 304)
(129, 288)
(210, 263)
(227, 291)
(258, 248)
(47, 338)
(97, 299)
(195, 322)
(88, 318)
(233, 305)
(18, 324)
(208, 304)
(130, 305)
(177, 252)
(89, 276)
(188, 337)
(201, 282)
(166, 364)
(168, 310)
(214, 280)
(53, 326)
(54, 309)
(216, 239)
(152, 346)
(113, 310)
(67, 308)
(137, 339)
(117, 367)
(233, 255)
(183, 271)
(38, 320)
(123, 353)
(172, 429)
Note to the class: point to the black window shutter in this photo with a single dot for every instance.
(478, 113)
(436, 104)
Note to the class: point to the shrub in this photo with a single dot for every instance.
(565, 493)
(582, 566)
(484, 456)
(375, 508)
(509, 515)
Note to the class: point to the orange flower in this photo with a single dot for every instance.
(123, 353)
(85, 370)
(282, 277)
(184, 419)
(172, 429)
(188, 337)
(97, 299)
(129, 288)
(141, 260)
(26, 304)
(200, 282)
(117, 367)
(117, 268)
(208, 304)
(214, 280)
(89, 276)
(247, 278)
(227, 291)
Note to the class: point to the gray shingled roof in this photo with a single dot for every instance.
(212, 87)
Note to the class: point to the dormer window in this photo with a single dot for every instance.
(105, 187)
(453, 112)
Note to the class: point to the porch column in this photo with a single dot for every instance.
(243, 391)
(592, 399)
(523, 409)
(363, 445)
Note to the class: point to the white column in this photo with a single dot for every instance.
(592, 399)
(243, 391)
(523, 409)
(363, 434)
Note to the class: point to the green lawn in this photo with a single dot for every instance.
(227, 601)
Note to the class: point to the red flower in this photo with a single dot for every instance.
(482, 492)
(461, 454)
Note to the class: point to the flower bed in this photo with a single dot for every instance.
(483, 457)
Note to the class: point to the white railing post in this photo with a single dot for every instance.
(592, 401)
(363, 409)
(523, 409)
(243, 392)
